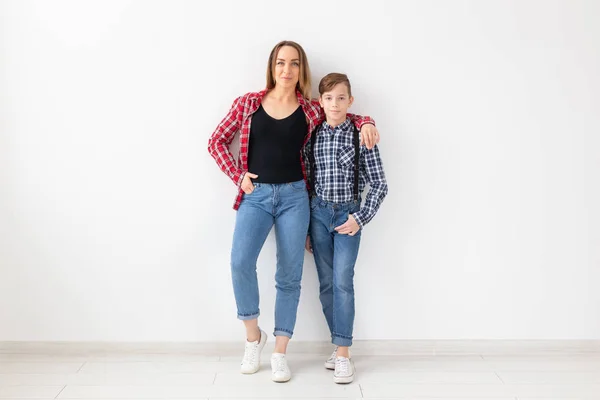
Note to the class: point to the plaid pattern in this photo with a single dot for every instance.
(238, 119)
(334, 170)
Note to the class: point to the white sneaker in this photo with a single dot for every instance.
(279, 366)
(344, 370)
(330, 363)
(251, 360)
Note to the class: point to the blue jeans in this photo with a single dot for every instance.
(286, 206)
(335, 257)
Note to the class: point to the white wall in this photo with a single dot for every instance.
(116, 225)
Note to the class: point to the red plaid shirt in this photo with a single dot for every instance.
(239, 118)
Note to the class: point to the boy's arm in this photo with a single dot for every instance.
(218, 144)
(372, 167)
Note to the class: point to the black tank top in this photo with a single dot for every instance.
(275, 145)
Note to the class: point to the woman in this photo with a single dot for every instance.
(275, 125)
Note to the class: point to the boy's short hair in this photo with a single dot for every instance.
(330, 80)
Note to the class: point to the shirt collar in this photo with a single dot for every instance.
(343, 127)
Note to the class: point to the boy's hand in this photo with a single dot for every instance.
(369, 136)
(308, 246)
(247, 185)
(350, 227)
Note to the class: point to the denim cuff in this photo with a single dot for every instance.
(341, 341)
(245, 317)
(282, 332)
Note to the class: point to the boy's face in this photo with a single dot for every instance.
(336, 103)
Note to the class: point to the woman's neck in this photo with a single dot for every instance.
(283, 95)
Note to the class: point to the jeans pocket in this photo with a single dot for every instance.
(256, 186)
(299, 186)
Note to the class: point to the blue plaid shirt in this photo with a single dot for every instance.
(334, 170)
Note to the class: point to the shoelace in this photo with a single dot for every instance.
(249, 353)
(341, 365)
(334, 354)
(280, 365)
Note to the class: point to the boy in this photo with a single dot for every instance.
(337, 177)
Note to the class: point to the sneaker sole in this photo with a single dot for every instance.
(345, 379)
(329, 365)
(251, 371)
(280, 380)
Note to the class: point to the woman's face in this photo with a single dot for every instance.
(287, 67)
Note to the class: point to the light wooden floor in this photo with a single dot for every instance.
(390, 370)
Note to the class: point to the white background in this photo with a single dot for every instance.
(116, 224)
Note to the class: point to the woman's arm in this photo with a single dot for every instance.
(369, 136)
(218, 144)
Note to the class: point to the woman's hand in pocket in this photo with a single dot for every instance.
(247, 185)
